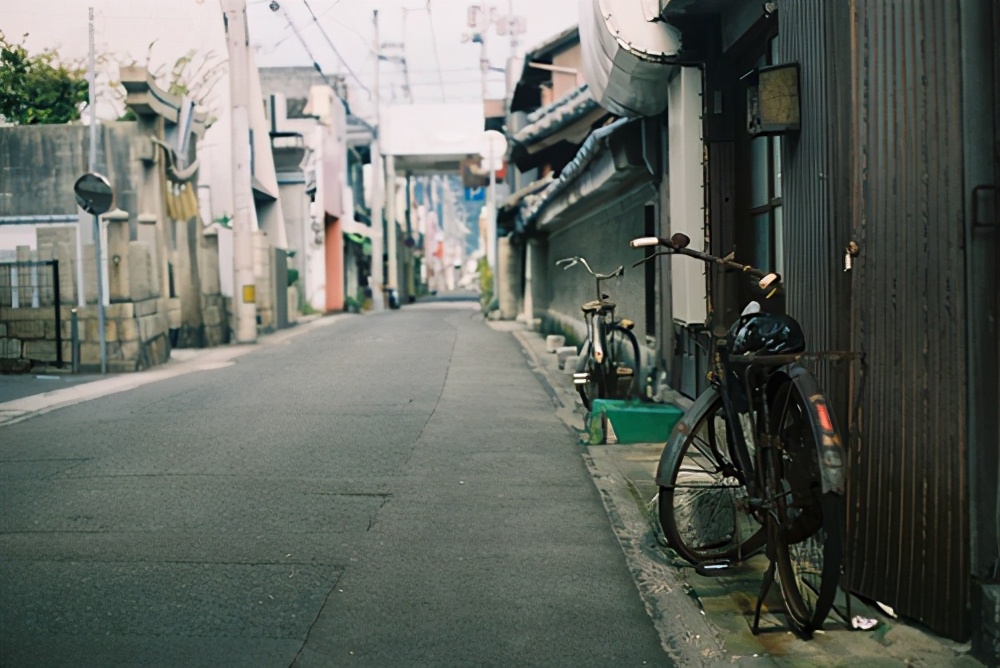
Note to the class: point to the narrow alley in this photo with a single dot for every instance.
(385, 490)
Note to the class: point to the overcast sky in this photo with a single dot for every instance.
(441, 67)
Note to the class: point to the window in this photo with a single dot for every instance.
(760, 216)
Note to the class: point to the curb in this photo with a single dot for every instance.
(686, 634)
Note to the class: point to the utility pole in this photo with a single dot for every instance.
(511, 27)
(491, 224)
(377, 273)
(245, 292)
(392, 274)
(484, 56)
(92, 102)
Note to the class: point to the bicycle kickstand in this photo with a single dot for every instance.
(765, 586)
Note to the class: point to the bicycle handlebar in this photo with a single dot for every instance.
(677, 245)
(573, 261)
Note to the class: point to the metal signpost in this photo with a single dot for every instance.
(94, 195)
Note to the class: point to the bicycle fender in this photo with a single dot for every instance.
(581, 362)
(831, 454)
(672, 448)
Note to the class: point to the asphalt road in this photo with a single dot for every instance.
(386, 490)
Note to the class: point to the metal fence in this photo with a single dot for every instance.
(33, 285)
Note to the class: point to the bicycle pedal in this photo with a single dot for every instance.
(713, 568)
(625, 371)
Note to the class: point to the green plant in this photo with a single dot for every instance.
(485, 284)
(293, 275)
(39, 89)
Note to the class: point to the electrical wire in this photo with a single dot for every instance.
(315, 62)
(437, 55)
(335, 50)
(406, 70)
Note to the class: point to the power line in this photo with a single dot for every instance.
(315, 63)
(332, 46)
(402, 59)
(437, 55)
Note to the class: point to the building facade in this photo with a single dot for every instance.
(854, 147)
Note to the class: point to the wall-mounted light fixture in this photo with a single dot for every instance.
(773, 100)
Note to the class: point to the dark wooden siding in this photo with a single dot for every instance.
(909, 527)
(816, 167)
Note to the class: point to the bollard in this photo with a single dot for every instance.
(569, 364)
(563, 352)
(75, 338)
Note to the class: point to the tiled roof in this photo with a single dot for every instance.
(553, 117)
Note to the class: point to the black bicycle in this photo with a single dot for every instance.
(757, 462)
(608, 366)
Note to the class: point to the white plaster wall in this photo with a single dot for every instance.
(687, 208)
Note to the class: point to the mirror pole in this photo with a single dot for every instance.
(100, 294)
(92, 103)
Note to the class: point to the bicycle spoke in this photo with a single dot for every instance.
(703, 507)
(701, 444)
(808, 555)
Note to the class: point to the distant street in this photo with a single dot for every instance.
(386, 490)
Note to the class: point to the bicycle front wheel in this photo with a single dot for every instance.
(808, 522)
(592, 385)
(703, 506)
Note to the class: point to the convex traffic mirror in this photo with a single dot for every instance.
(93, 194)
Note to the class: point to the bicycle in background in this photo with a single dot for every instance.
(608, 366)
(758, 462)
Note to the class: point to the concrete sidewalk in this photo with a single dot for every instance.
(709, 619)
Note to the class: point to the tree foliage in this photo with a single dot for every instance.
(39, 88)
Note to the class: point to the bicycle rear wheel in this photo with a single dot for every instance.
(808, 522)
(703, 506)
(622, 367)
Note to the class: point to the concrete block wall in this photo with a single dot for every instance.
(135, 334)
(136, 324)
(59, 243)
(144, 282)
(28, 333)
(216, 319)
(603, 239)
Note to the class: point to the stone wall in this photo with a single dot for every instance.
(135, 335)
(179, 304)
(28, 338)
(136, 331)
(40, 164)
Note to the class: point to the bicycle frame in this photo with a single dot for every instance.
(831, 455)
(601, 323)
(596, 318)
(793, 481)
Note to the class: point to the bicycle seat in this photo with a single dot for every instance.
(598, 306)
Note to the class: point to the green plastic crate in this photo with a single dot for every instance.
(632, 421)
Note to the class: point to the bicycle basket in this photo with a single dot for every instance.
(759, 333)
